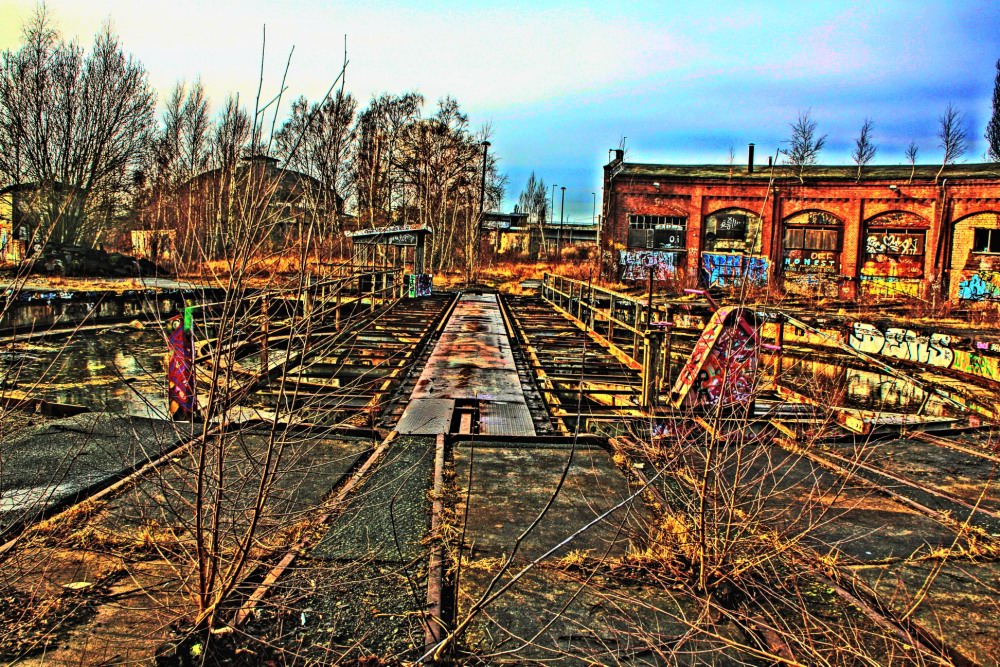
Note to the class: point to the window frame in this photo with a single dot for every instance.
(992, 237)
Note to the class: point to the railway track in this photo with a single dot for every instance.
(331, 407)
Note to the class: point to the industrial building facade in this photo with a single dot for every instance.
(897, 231)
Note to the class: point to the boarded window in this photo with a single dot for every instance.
(895, 253)
(732, 230)
(657, 232)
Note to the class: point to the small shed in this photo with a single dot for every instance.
(400, 247)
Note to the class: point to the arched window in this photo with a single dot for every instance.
(812, 243)
(732, 230)
(895, 246)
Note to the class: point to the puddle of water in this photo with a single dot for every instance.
(43, 313)
(119, 370)
(854, 388)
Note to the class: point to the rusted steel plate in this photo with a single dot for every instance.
(501, 418)
(426, 416)
(472, 362)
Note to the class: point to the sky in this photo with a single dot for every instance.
(561, 83)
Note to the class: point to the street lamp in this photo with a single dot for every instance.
(552, 212)
(562, 209)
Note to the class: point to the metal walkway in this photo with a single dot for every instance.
(471, 370)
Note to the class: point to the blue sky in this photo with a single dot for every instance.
(562, 82)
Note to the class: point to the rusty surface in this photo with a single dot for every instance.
(471, 362)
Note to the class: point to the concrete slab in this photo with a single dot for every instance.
(310, 467)
(511, 486)
(960, 605)
(562, 618)
(57, 460)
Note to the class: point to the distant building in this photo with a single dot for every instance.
(896, 232)
(521, 234)
(19, 219)
(212, 204)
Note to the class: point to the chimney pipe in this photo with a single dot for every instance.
(769, 158)
(750, 160)
(619, 155)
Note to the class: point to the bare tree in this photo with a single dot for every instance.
(804, 145)
(993, 127)
(378, 132)
(74, 124)
(864, 147)
(327, 143)
(911, 157)
(954, 137)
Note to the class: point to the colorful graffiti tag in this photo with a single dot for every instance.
(419, 284)
(888, 286)
(180, 369)
(635, 264)
(721, 370)
(895, 243)
(980, 286)
(731, 269)
(934, 349)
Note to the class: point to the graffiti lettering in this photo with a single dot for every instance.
(722, 367)
(635, 264)
(934, 349)
(981, 286)
(728, 270)
(889, 286)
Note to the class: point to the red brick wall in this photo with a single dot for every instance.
(853, 203)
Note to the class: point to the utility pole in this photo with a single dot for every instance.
(562, 210)
(482, 207)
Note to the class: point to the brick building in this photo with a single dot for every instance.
(896, 232)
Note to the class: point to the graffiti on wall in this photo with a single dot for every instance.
(934, 349)
(980, 286)
(888, 286)
(811, 261)
(722, 367)
(730, 269)
(812, 284)
(732, 230)
(635, 264)
(895, 243)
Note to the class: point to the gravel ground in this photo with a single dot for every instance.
(57, 460)
(390, 515)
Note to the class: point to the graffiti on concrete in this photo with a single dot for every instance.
(635, 264)
(721, 370)
(934, 349)
(180, 371)
(887, 286)
(419, 284)
(980, 286)
(731, 269)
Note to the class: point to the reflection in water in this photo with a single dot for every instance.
(119, 370)
(43, 313)
(837, 385)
